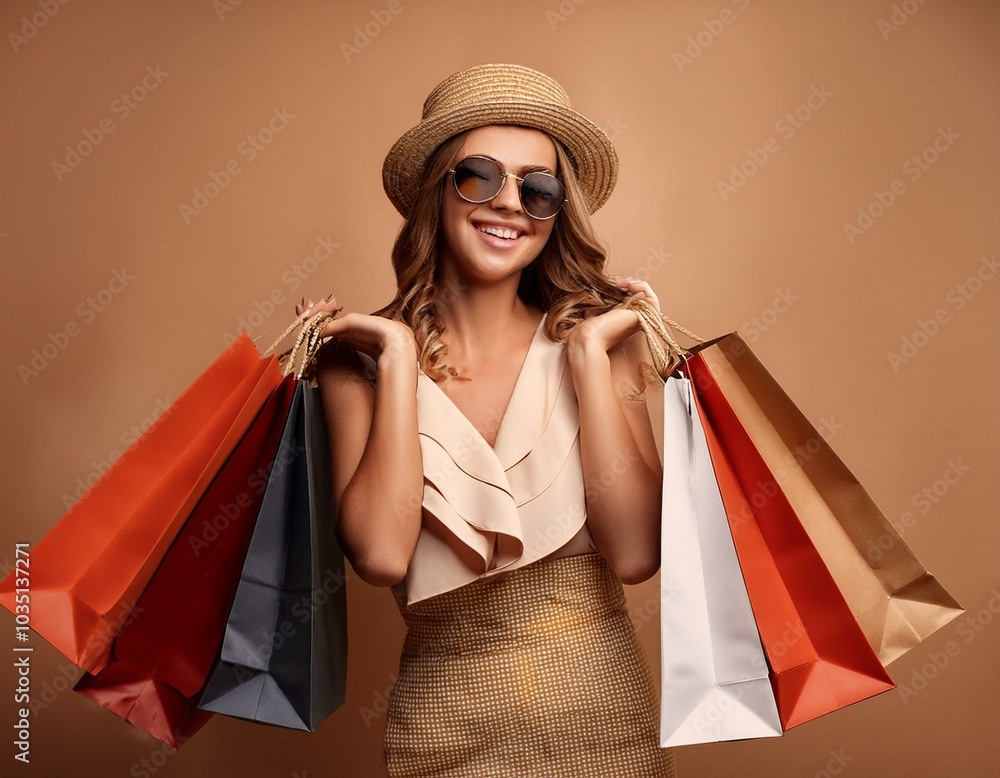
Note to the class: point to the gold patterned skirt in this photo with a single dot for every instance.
(534, 672)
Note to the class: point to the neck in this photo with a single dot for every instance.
(483, 317)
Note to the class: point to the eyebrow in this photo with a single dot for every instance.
(525, 169)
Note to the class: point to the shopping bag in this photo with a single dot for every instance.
(88, 571)
(895, 599)
(284, 653)
(163, 654)
(714, 678)
(820, 659)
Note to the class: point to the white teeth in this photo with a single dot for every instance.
(500, 232)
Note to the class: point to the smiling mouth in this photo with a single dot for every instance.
(500, 232)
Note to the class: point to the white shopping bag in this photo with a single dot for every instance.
(714, 682)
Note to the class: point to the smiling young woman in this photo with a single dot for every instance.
(477, 417)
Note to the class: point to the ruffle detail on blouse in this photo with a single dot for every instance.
(490, 510)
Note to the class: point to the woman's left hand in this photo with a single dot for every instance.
(610, 328)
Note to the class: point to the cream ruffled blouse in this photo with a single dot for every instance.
(490, 510)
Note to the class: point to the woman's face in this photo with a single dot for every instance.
(467, 247)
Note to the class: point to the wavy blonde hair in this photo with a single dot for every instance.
(567, 278)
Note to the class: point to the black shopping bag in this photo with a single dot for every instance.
(284, 654)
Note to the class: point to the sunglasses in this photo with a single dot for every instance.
(480, 179)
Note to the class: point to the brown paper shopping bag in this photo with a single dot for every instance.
(895, 599)
(897, 602)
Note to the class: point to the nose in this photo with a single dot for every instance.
(509, 198)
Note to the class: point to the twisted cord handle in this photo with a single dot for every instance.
(667, 353)
(307, 343)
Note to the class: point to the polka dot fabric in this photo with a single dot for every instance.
(533, 672)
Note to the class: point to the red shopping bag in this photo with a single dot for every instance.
(164, 653)
(895, 599)
(284, 653)
(819, 656)
(88, 571)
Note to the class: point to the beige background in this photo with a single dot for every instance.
(716, 262)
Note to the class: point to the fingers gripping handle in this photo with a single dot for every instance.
(662, 345)
(308, 343)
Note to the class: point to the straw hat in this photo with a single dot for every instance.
(500, 94)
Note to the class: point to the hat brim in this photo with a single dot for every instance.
(592, 152)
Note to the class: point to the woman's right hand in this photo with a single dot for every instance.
(371, 335)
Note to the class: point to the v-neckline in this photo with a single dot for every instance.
(510, 400)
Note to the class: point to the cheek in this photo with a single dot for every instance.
(544, 232)
(451, 221)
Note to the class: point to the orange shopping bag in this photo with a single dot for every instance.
(163, 654)
(88, 571)
(820, 659)
(895, 599)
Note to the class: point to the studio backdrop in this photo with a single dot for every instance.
(819, 177)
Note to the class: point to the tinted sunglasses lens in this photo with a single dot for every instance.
(542, 195)
(478, 180)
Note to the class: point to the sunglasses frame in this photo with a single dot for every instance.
(503, 183)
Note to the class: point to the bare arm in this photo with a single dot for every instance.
(621, 466)
(375, 452)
